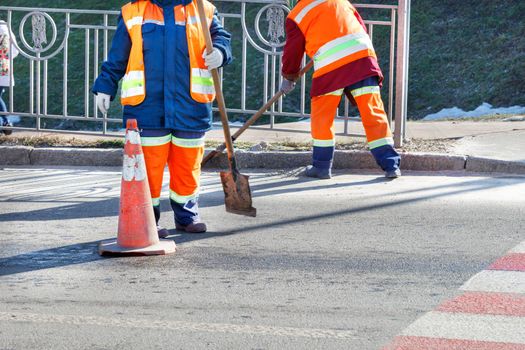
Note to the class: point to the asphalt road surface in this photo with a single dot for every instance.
(345, 263)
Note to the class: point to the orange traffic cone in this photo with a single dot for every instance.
(137, 231)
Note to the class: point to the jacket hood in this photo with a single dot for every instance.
(162, 3)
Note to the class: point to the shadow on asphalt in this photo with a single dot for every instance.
(478, 185)
(83, 210)
(110, 206)
(49, 258)
(87, 252)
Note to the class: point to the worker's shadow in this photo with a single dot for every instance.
(446, 190)
(266, 189)
(73, 254)
(86, 252)
(110, 206)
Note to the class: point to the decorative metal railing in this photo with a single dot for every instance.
(61, 51)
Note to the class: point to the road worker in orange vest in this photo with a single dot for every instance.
(333, 34)
(159, 53)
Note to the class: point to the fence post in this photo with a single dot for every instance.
(403, 36)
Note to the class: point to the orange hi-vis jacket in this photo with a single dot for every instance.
(333, 34)
(133, 90)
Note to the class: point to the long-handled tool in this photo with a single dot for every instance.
(237, 194)
(253, 118)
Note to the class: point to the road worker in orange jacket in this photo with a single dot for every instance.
(159, 53)
(333, 34)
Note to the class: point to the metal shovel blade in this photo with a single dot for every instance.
(237, 194)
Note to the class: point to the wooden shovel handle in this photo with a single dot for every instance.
(216, 82)
(268, 104)
(254, 117)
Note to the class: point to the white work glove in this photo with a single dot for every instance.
(287, 86)
(214, 59)
(103, 102)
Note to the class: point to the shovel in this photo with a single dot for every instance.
(253, 118)
(237, 194)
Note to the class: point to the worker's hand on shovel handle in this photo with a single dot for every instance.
(287, 86)
(214, 59)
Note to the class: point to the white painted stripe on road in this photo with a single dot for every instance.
(53, 180)
(8, 175)
(497, 281)
(506, 329)
(179, 325)
(520, 248)
(55, 188)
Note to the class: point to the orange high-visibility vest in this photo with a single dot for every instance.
(334, 37)
(133, 91)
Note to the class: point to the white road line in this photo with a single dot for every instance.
(434, 324)
(46, 179)
(68, 184)
(178, 325)
(61, 186)
(497, 281)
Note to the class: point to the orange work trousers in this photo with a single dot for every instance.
(182, 152)
(367, 97)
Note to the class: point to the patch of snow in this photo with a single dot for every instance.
(484, 109)
(516, 118)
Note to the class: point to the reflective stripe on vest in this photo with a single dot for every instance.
(340, 48)
(134, 21)
(307, 9)
(192, 20)
(334, 35)
(159, 23)
(133, 90)
(381, 142)
(201, 81)
(155, 201)
(133, 84)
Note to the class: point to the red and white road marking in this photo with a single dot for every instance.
(489, 315)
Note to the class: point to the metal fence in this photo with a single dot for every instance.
(61, 52)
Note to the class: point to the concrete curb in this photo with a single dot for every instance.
(488, 165)
(342, 160)
(21, 155)
(76, 156)
(15, 155)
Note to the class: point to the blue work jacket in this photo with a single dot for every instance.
(168, 103)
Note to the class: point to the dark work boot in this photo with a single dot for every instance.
(392, 174)
(194, 227)
(312, 171)
(162, 232)
(5, 122)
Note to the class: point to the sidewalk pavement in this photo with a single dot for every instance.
(492, 139)
(480, 146)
